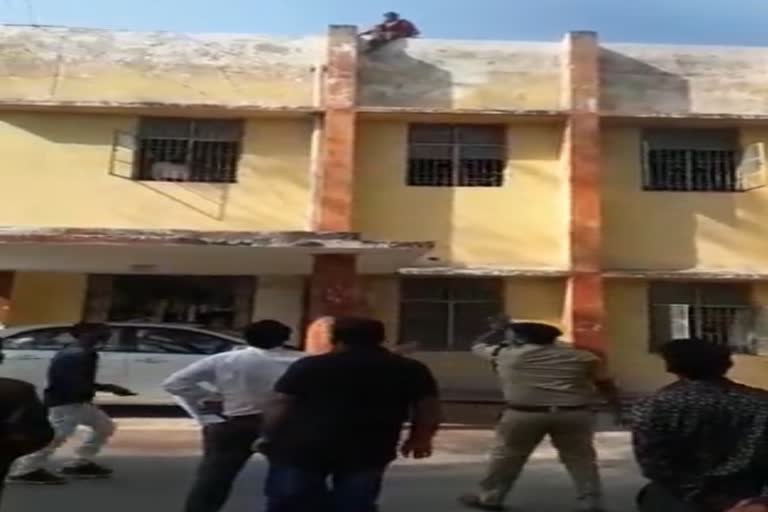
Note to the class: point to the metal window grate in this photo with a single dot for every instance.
(693, 170)
(456, 155)
(731, 326)
(444, 314)
(183, 150)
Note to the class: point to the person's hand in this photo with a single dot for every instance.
(416, 448)
(261, 445)
(211, 407)
(753, 505)
(120, 390)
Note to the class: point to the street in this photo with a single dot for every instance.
(154, 459)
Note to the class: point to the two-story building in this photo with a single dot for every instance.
(616, 189)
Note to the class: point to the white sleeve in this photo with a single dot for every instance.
(187, 383)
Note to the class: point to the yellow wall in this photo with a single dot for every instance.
(460, 374)
(47, 297)
(519, 225)
(58, 167)
(678, 230)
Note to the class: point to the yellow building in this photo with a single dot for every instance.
(617, 190)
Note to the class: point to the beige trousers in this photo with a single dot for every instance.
(517, 436)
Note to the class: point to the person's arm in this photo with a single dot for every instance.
(654, 443)
(426, 415)
(187, 383)
(277, 409)
(608, 389)
(295, 382)
(487, 351)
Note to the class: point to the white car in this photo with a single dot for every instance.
(138, 356)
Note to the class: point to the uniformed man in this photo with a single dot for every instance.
(549, 389)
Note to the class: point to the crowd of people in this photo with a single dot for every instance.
(330, 425)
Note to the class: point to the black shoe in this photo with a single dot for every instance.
(474, 501)
(37, 477)
(86, 470)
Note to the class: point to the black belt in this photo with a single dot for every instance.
(547, 408)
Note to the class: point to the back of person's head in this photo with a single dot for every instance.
(354, 332)
(536, 333)
(267, 334)
(696, 359)
(391, 15)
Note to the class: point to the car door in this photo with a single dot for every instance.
(162, 351)
(28, 355)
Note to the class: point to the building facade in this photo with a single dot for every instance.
(617, 190)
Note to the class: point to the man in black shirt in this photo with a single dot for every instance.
(71, 389)
(703, 440)
(340, 416)
(24, 426)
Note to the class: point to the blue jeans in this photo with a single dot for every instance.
(292, 489)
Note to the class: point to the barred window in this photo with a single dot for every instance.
(447, 314)
(701, 160)
(712, 312)
(441, 155)
(187, 150)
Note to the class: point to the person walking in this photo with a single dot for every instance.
(549, 390)
(24, 425)
(702, 441)
(71, 389)
(339, 417)
(232, 387)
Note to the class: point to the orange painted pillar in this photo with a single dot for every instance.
(334, 287)
(585, 308)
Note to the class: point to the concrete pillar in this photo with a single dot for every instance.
(7, 278)
(585, 311)
(333, 185)
(335, 289)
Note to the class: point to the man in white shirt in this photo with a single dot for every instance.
(232, 387)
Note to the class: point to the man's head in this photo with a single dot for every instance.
(536, 333)
(354, 332)
(389, 17)
(267, 334)
(696, 360)
(90, 334)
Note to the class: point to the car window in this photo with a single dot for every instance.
(52, 338)
(179, 341)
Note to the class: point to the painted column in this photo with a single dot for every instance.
(6, 296)
(334, 286)
(581, 93)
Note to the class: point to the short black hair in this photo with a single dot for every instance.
(391, 14)
(82, 328)
(267, 334)
(537, 333)
(696, 359)
(357, 332)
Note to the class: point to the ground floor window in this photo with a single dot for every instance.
(721, 313)
(446, 314)
(216, 302)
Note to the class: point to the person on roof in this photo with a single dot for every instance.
(392, 28)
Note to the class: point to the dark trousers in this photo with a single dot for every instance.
(655, 498)
(292, 489)
(227, 447)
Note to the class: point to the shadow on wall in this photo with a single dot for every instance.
(629, 85)
(390, 77)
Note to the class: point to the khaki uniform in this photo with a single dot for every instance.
(549, 390)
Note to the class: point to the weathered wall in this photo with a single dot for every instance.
(474, 226)
(656, 79)
(678, 230)
(282, 299)
(462, 74)
(58, 167)
(47, 297)
(97, 66)
(639, 371)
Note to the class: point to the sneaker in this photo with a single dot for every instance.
(474, 501)
(86, 470)
(37, 477)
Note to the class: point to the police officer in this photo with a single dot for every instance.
(549, 389)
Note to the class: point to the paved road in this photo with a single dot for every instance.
(154, 460)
